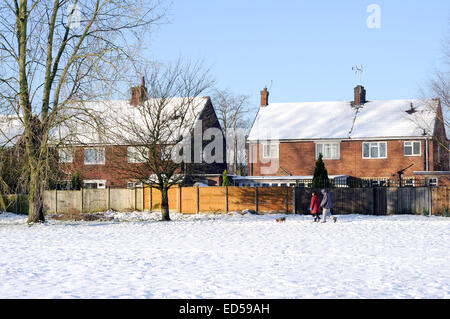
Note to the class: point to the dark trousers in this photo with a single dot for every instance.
(316, 216)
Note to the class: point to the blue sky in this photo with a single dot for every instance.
(305, 50)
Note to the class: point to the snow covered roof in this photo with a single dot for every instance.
(339, 120)
(115, 115)
(81, 128)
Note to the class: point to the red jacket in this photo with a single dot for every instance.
(315, 205)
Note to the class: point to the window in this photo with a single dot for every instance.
(136, 154)
(409, 183)
(412, 148)
(432, 182)
(95, 184)
(65, 155)
(270, 150)
(132, 185)
(94, 156)
(328, 150)
(374, 150)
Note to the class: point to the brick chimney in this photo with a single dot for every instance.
(264, 97)
(360, 96)
(139, 93)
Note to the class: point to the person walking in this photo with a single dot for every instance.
(326, 205)
(314, 207)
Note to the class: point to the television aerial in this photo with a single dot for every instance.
(358, 69)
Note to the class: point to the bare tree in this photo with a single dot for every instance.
(439, 87)
(232, 111)
(56, 54)
(159, 129)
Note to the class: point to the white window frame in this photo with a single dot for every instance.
(99, 158)
(101, 184)
(433, 182)
(370, 148)
(331, 144)
(274, 150)
(411, 145)
(409, 182)
(134, 155)
(132, 185)
(65, 155)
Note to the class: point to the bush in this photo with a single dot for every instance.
(446, 212)
(76, 182)
(17, 204)
(320, 179)
(224, 178)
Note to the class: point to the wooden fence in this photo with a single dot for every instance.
(192, 200)
(440, 200)
(95, 200)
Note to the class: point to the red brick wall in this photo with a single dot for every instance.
(298, 158)
(444, 181)
(116, 170)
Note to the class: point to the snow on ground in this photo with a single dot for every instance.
(222, 256)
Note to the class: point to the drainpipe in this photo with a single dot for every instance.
(426, 155)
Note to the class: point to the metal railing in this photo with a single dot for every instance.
(352, 182)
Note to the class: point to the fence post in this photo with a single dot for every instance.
(108, 198)
(294, 200)
(226, 199)
(256, 199)
(179, 198)
(135, 198)
(375, 201)
(56, 201)
(143, 198)
(430, 203)
(82, 200)
(197, 200)
(286, 197)
(150, 204)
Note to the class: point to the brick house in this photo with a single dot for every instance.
(101, 163)
(361, 138)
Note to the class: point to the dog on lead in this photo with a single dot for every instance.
(281, 220)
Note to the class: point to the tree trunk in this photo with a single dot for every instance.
(235, 155)
(165, 204)
(35, 211)
(35, 198)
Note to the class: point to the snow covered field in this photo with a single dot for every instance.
(221, 256)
